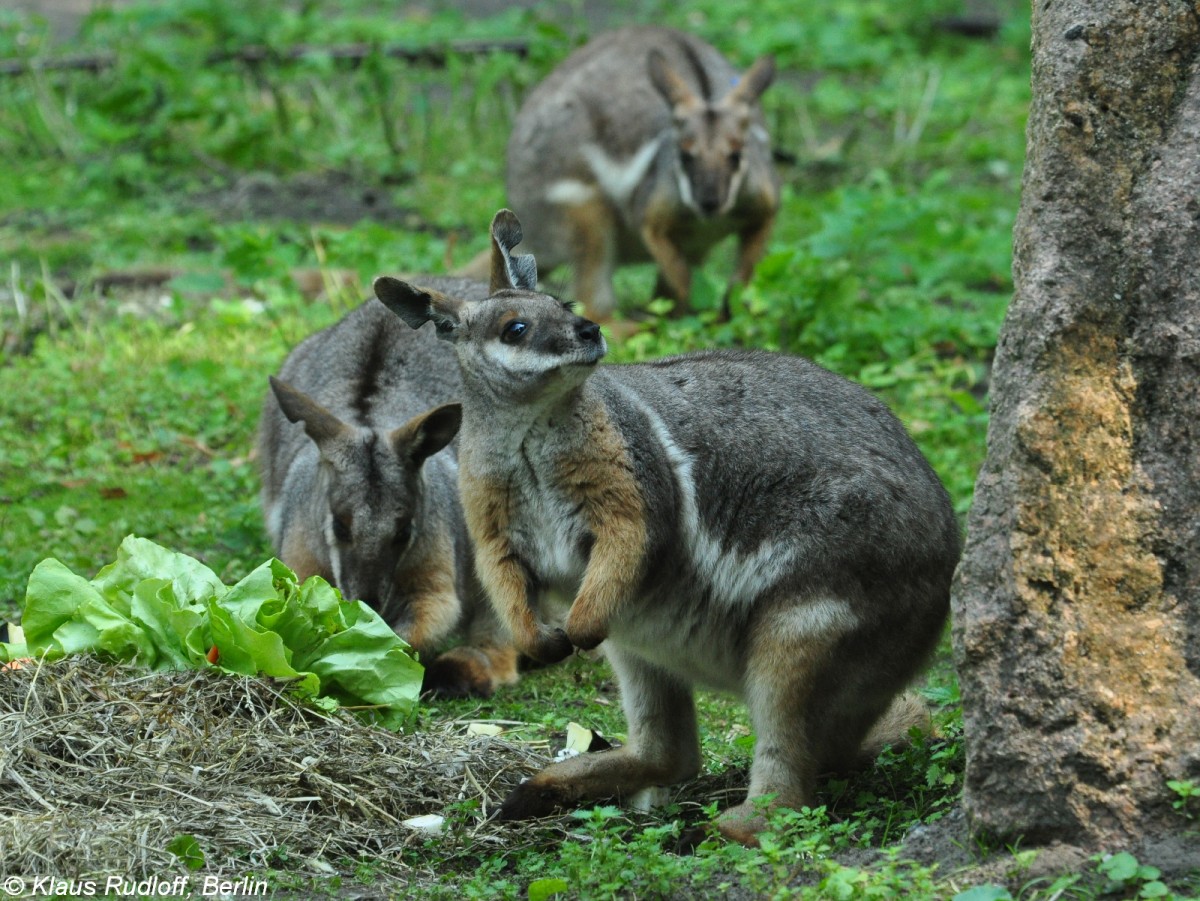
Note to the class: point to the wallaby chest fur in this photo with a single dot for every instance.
(739, 519)
(612, 161)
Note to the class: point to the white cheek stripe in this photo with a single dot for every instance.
(275, 523)
(618, 180)
(734, 577)
(735, 187)
(685, 188)
(520, 360)
(335, 559)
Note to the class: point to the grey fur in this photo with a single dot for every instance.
(798, 548)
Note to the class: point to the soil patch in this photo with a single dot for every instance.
(333, 197)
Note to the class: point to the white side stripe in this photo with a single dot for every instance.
(733, 576)
(618, 180)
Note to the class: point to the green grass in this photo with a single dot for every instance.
(136, 412)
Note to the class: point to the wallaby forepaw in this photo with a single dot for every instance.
(585, 635)
(586, 641)
(551, 646)
(530, 800)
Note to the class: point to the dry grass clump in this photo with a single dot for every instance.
(101, 766)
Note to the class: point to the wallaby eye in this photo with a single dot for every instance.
(513, 332)
(735, 159)
(341, 529)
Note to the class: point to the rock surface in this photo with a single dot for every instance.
(1077, 604)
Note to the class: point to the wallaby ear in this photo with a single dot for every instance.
(510, 270)
(416, 306)
(668, 82)
(756, 80)
(319, 424)
(426, 434)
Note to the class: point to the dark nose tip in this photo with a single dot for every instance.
(587, 331)
(709, 205)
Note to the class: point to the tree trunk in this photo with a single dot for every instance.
(1077, 604)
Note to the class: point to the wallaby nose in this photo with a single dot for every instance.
(709, 205)
(587, 331)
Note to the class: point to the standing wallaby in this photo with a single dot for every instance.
(643, 145)
(358, 489)
(742, 520)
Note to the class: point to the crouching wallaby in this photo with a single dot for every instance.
(644, 145)
(358, 488)
(742, 520)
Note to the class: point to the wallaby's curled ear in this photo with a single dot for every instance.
(426, 434)
(510, 270)
(756, 80)
(319, 424)
(668, 82)
(416, 306)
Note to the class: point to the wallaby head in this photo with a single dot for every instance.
(368, 492)
(710, 134)
(518, 343)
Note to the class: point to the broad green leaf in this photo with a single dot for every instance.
(53, 597)
(165, 610)
(188, 850)
(140, 558)
(154, 607)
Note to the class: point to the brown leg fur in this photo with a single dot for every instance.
(815, 688)
(486, 508)
(469, 671)
(674, 273)
(604, 484)
(663, 748)
(752, 244)
(592, 244)
(432, 600)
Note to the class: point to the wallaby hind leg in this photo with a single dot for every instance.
(811, 702)
(593, 244)
(663, 747)
(674, 278)
(752, 245)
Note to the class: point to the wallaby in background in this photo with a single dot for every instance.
(359, 487)
(742, 520)
(643, 145)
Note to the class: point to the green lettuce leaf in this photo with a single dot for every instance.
(165, 610)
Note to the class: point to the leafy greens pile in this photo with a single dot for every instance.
(168, 611)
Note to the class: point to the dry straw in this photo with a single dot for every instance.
(102, 766)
